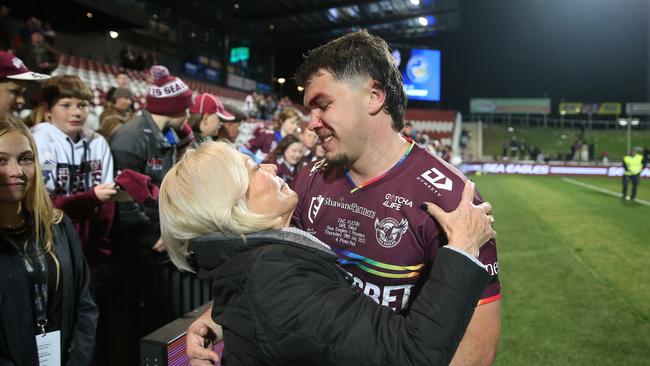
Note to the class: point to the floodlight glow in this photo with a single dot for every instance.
(423, 21)
(281, 80)
(634, 122)
(113, 34)
(415, 2)
(89, 15)
(622, 121)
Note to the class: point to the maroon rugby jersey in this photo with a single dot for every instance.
(379, 232)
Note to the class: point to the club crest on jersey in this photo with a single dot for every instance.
(314, 206)
(389, 232)
(433, 177)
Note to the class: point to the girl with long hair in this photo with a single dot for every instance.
(45, 281)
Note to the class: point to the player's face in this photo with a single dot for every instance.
(16, 167)
(268, 193)
(69, 115)
(338, 116)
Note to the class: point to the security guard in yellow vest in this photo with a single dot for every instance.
(633, 164)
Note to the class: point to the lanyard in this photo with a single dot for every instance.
(36, 267)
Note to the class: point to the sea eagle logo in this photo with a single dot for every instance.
(389, 232)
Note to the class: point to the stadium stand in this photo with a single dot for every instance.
(437, 124)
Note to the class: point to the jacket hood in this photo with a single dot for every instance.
(210, 251)
(54, 133)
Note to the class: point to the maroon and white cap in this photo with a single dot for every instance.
(208, 104)
(11, 67)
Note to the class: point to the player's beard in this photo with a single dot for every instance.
(340, 159)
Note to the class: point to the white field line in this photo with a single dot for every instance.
(602, 190)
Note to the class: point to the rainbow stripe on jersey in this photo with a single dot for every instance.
(347, 257)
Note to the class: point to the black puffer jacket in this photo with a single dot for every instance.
(282, 300)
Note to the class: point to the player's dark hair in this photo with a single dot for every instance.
(359, 55)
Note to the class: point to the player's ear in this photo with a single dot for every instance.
(377, 97)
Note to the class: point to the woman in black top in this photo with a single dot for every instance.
(44, 282)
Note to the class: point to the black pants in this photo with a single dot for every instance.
(635, 184)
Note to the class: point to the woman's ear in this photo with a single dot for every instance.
(377, 97)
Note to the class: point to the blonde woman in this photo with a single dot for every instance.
(279, 295)
(44, 282)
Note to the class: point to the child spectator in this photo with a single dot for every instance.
(206, 115)
(76, 162)
(309, 140)
(287, 157)
(265, 140)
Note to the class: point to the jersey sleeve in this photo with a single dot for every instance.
(434, 235)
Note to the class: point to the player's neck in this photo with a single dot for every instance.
(379, 159)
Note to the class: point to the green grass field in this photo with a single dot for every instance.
(550, 140)
(574, 270)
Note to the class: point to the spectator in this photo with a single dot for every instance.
(309, 140)
(122, 80)
(250, 105)
(408, 130)
(287, 157)
(120, 103)
(76, 162)
(206, 116)
(37, 54)
(230, 129)
(265, 140)
(270, 106)
(14, 77)
(514, 147)
(32, 25)
(447, 153)
(148, 144)
(464, 138)
(41, 262)
(127, 58)
(117, 111)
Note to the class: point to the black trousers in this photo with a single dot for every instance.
(635, 183)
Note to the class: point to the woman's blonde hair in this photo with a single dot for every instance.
(37, 201)
(206, 191)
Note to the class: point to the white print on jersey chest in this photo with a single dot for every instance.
(395, 297)
(396, 202)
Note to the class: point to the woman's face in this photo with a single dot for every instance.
(16, 167)
(293, 153)
(289, 126)
(268, 193)
(210, 125)
(69, 115)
